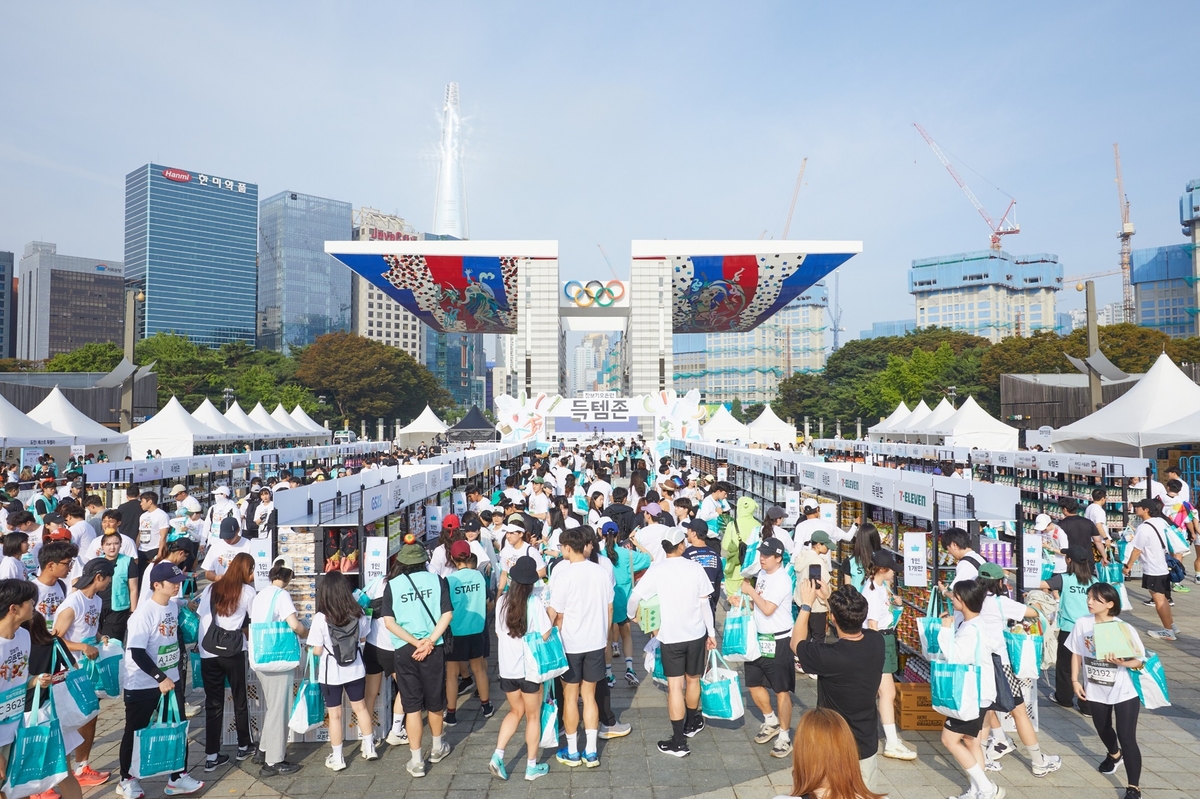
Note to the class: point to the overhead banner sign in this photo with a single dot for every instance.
(600, 409)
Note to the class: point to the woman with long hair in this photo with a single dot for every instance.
(275, 605)
(224, 610)
(338, 622)
(878, 592)
(625, 564)
(595, 508)
(517, 612)
(825, 759)
(42, 644)
(866, 544)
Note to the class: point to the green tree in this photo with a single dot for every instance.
(735, 410)
(91, 357)
(752, 412)
(186, 370)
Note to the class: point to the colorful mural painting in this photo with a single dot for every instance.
(736, 293)
(521, 420)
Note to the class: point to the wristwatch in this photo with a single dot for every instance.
(806, 609)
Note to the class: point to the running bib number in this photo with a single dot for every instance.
(12, 704)
(1100, 672)
(168, 656)
(766, 645)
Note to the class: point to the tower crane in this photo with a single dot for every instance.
(1126, 236)
(795, 193)
(1005, 226)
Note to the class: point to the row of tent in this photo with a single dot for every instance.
(945, 425)
(174, 432)
(767, 429)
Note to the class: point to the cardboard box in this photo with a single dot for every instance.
(914, 697)
(915, 720)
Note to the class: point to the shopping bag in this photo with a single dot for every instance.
(954, 688)
(1024, 654)
(161, 747)
(653, 661)
(1177, 541)
(1151, 683)
(38, 759)
(194, 669)
(545, 658)
(274, 646)
(105, 670)
(549, 719)
(1121, 592)
(75, 697)
(739, 638)
(1047, 569)
(189, 624)
(1112, 572)
(649, 615)
(308, 711)
(927, 627)
(721, 691)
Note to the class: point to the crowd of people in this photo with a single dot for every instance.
(565, 556)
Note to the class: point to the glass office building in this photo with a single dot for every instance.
(302, 292)
(191, 245)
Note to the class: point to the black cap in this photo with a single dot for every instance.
(96, 567)
(230, 529)
(698, 527)
(1078, 553)
(53, 517)
(470, 524)
(771, 546)
(776, 512)
(886, 559)
(524, 571)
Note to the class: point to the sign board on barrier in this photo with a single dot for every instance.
(147, 471)
(914, 499)
(916, 560)
(201, 465)
(1031, 559)
(722, 473)
(375, 554)
(981, 457)
(260, 550)
(30, 456)
(877, 491)
(792, 506)
(850, 486)
(1085, 466)
(222, 463)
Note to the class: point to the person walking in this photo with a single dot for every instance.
(1071, 587)
(880, 602)
(469, 599)
(1150, 547)
(273, 605)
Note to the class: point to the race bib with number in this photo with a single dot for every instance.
(1100, 672)
(168, 656)
(766, 645)
(12, 703)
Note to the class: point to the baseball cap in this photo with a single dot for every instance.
(451, 522)
(886, 559)
(412, 553)
(821, 537)
(286, 562)
(470, 524)
(1041, 522)
(459, 550)
(991, 571)
(698, 527)
(771, 546)
(52, 517)
(230, 529)
(776, 512)
(810, 504)
(97, 567)
(166, 572)
(674, 536)
(1077, 553)
(524, 571)
(608, 526)
(513, 528)
(538, 480)
(221, 491)
(179, 487)
(653, 509)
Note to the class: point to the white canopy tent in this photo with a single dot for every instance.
(1184, 430)
(918, 415)
(972, 426)
(263, 419)
(920, 432)
(723, 427)
(18, 430)
(57, 413)
(236, 415)
(172, 431)
(895, 418)
(1162, 397)
(305, 420)
(770, 429)
(208, 414)
(422, 429)
(281, 416)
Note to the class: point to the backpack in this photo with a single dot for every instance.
(345, 642)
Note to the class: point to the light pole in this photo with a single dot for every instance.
(229, 395)
(133, 295)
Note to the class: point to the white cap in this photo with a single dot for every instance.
(810, 504)
(285, 562)
(177, 488)
(1041, 522)
(222, 490)
(675, 536)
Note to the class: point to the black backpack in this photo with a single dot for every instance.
(345, 642)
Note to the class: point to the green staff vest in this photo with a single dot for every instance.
(407, 605)
(468, 596)
(1072, 601)
(120, 583)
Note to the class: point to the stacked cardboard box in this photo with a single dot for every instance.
(914, 707)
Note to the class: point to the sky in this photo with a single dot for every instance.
(595, 124)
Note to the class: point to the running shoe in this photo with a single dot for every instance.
(617, 730)
(567, 759)
(1163, 635)
(1150, 603)
(438, 755)
(991, 765)
(496, 766)
(669, 747)
(610, 679)
(1132, 793)
(334, 762)
(450, 719)
(782, 747)
(488, 709)
(398, 738)
(539, 770)
(766, 732)
(244, 752)
(691, 731)
(130, 789)
(282, 767)
(1109, 764)
(89, 777)
(616, 650)
(591, 759)
(466, 685)
(367, 748)
(997, 749)
(1050, 763)
(1181, 588)
(185, 784)
(415, 769)
(631, 678)
(899, 751)
(214, 763)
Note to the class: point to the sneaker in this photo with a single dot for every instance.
(398, 738)
(1132, 793)
(782, 747)
(567, 759)
(50, 794)
(438, 755)
(617, 730)
(450, 719)
(367, 748)
(282, 767)
(335, 763)
(616, 650)
(971, 793)
(214, 763)
(610, 679)
(533, 772)
(1050, 763)
(415, 769)
(1197, 578)
(260, 758)
(466, 686)
(899, 751)
(245, 752)
(1181, 588)
(691, 731)
(669, 747)
(631, 678)
(130, 789)
(1149, 603)
(998, 793)
(991, 765)
(496, 766)
(1163, 635)
(488, 709)
(997, 749)
(1109, 764)
(591, 759)
(191, 711)
(766, 732)
(89, 777)
(185, 784)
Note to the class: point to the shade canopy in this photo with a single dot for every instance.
(263, 419)
(236, 415)
(723, 427)
(18, 430)
(281, 416)
(922, 431)
(473, 427)
(973, 427)
(208, 414)
(425, 427)
(172, 431)
(1163, 396)
(1184, 430)
(770, 429)
(307, 421)
(894, 419)
(57, 413)
(915, 418)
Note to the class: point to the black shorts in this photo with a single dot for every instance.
(777, 673)
(355, 691)
(1157, 584)
(468, 647)
(584, 667)
(378, 661)
(684, 659)
(508, 686)
(817, 625)
(422, 684)
(970, 727)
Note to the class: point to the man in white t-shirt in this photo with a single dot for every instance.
(1150, 545)
(222, 553)
(686, 632)
(581, 597)
(956, 541)
(539, 501)
(153, 527)
(1096, 514)
(813, 522)
(1185, 492)
(183, 499)
(16, 608)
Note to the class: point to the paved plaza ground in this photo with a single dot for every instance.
(725, 762)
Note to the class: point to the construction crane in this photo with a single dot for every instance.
(795, 193)
(1090, 276)
(1005, 226)
(1126, 236)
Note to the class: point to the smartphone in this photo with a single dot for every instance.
(814, 572)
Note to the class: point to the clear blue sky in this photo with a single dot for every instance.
(605, 122)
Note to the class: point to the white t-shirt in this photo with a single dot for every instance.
(604, 488)
(1106, 683)
(234, 622)
(582, 593)
(379, 636)
(439, 564)
(879, 609)
(155, 628)
(82, 534)
(967, 568)
(651, 537)
(12, 569)
(92, 550)
(49, 599)
(1055, 540)
(1149, 539)
(1096, 515)
(328, 670)
(538, 504)
(150, 527)
(711, 508)
(14, 674)
(681, 586)
(510, 652)
(997, 611)
(510, 555)
(221, 554)
(87, 616)
(261, 610)
(776, 588)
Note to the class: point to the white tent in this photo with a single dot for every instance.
(57, 413)
(723, 427)
(18, 430)
(972, 426)
(422, 429)
(770, 429)
(305, 420)
(263, 419)
(208, 414)
(236, 415)
(894, 419)
(920, 432)
(896, 433)
(1163, 396)
(281, 416)
(173, 431)
(1185, 430)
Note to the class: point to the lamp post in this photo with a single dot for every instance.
(133, 296)
(229, 395)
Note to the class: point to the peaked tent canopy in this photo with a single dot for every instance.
(972, 426)
(263, 419)
(173, 431)
(307, 421)
(895, 419)
(473, 427)
(916, 417)
(424, 428)
(921, 431)
(252, 429)
(281, 416)
(723, 427)
(1184, 430)
(57, 413)
(208, 414)
(1163, 396)
(770, 429)
(19, 430)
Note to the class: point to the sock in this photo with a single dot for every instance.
(999, 736)
(337, 750)
(438, 741)
(608, 670)
(499, 753)
(398, 725)
(572, 743)
(590, 736)
(979, 780)
(210, 758)
(785, 734)
(531, 762)
(889, 731)
(80, 766)
(677, 735)
(415, 755)
(772, 719)
(628, 664)
(1035, 754)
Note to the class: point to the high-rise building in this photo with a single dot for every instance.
(374, 315)
(8, 308)
(1111, 314)
(66, 301)
(302, 292)
(459, 363)
(1166, 280)
(586, 364)
(988, 293)
(191, 246)
(896, 327)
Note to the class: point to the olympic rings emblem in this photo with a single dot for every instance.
(594, 292)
